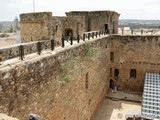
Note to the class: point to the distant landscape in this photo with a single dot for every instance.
(137, 24)
(8, 33)
(6, 26)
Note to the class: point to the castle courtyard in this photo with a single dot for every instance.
(119, 105)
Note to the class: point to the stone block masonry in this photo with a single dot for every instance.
(6, 117)
(66, 85)
(35, 26)
(132, 57)
(44, 26)
(69, 83)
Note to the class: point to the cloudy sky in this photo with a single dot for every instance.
(130, 9)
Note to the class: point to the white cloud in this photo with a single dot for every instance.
(143, 9)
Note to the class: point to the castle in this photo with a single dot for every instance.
(70, 82)
(44, 26)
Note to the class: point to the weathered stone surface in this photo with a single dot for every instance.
(0, 88)
(43, 26)
(134, 52)
(14, 51)
(6, 117)
(35, 26)
(70, 84)
(67, 85)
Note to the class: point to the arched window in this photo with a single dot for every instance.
(68, 32)
(106, 28)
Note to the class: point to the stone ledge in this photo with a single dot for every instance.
(6, 117)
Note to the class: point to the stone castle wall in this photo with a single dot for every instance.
(71, 82)
(41, 26)
(66, 84)
(35, 26)
(57, 28)
(104, 17)
(134, 52)
(60, 24)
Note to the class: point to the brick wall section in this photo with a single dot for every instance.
(134, 52)
(68, 85)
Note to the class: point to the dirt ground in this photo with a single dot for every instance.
(7, 41)
(6, 117)
(115, 109)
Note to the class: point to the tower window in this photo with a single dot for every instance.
(133, 73)
(112, 56)
(116, 74)
(56, 28)
(111, 84)
(111, 19)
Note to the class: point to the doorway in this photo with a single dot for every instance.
(68, 32)
(106, 28)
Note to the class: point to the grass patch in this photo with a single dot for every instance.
(90, 52)
(67, 72)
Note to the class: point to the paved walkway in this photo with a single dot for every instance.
(115, 109)
(6, 117)
(48, 52)
(125, 96)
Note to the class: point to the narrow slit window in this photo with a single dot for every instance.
(86, 82)
(116, 74)
(56, 28)
(112, 56)
(111, 84)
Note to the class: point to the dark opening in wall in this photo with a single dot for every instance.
(68, 32)
(116, 74)
(106, 28)
(89, 102)
(111, 84)
(78, 26)
(114, 24)
(56, 28)
(89, 25)
(31, 39)
(112, 56)
(111, 19)
(86, 82)
(133, 73)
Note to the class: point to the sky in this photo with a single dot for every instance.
(128, 9)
